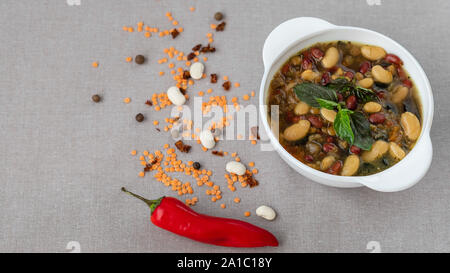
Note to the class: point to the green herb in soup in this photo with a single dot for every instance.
(345, 108)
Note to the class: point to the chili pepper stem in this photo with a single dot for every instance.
(151, 203)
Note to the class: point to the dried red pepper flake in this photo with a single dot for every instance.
(197, 47)
(255, 132)
(186, 75)
(175, 33)
(251, 181)
(226, 85)
(191, 56)
(149, 103)
(221, 26)
(218, 153)
(213, 78)
(207, 49)
(148, 167)
(182, 147)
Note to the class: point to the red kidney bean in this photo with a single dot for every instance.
(306, 63)
(377, 118)
(340, 97)
(328, 147)
(351, 102)
(393, 59)
(317, 53)
(330, 139)
(333, 69)
(315, 121)
(380, 94)
(355, 150)
(326, 78)
(335, 168)
(401, 73)
(365, 66)
(407, 83)
(292, 118)
(309, 158)
(285, 69)
(349, 75)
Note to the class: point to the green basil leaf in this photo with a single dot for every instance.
(343, 127)
(365, 94)
(309, 92)
(361, 128)
(327, 103)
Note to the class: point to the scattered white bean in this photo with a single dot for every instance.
(266, 212)
(175, 96)
(207, 139)
(196, 70)
(236, 168)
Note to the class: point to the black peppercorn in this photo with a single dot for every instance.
(218, 16)
(96, 98)
(139, 59)
(196, 165)
(140, 117)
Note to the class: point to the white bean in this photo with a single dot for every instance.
(207, 139)
(331, 58)
(373, 53)
(327, 162)
(351, 165)
(196, 70)
(329, 115)
(301, 108)
(396, 151)
(366, 83)
(372, 107)
(411, 125)
(308, 75)
(381, 75)
(266, 212)
(175, 96)
(297, 131)
(379, 148)
(235, 167)
(400, 93)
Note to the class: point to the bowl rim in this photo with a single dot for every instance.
(427, 114)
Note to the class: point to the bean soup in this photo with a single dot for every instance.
(346, 108)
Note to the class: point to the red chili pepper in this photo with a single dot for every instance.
(173, 215)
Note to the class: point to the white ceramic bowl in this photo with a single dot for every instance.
(296, 34)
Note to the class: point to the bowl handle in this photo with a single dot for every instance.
(411, 170)
(288, 32)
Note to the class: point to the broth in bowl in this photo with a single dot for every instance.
(346, 108)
